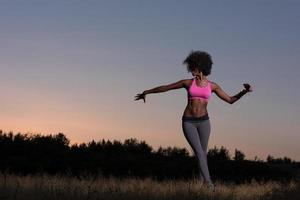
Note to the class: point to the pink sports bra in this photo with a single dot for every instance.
(196, 92)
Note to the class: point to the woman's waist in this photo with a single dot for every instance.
(195, 117)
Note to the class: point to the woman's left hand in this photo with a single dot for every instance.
(247, 87)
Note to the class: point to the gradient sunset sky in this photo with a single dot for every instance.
(75, 66)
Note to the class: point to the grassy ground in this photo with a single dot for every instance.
(53, 187)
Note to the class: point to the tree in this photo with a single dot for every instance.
(270, 159)
(219, 154)
(238, 155)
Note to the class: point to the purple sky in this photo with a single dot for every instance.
(75, 67)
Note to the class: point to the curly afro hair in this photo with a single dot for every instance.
(200, 60)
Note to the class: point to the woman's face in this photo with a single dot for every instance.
(195, 72)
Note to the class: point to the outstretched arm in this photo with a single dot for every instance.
(163, 88)
(230, 99)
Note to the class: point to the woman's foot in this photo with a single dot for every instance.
(210, 186)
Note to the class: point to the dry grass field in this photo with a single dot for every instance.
(47, 187)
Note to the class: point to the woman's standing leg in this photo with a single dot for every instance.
(204, 129)
(190, 131)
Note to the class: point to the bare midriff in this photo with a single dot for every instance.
(195, 108)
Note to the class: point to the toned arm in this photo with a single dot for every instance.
(224, 96)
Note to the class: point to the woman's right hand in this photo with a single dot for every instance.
(141, 96)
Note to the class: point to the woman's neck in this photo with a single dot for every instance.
(201, 78)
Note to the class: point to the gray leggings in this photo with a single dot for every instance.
(197, 130)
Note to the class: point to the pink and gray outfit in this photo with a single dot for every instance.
(197, 129)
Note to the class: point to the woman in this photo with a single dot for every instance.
(195, 119)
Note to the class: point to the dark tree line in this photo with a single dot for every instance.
(53, 154)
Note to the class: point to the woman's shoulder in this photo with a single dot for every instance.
(187, 82)
(213, 84)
